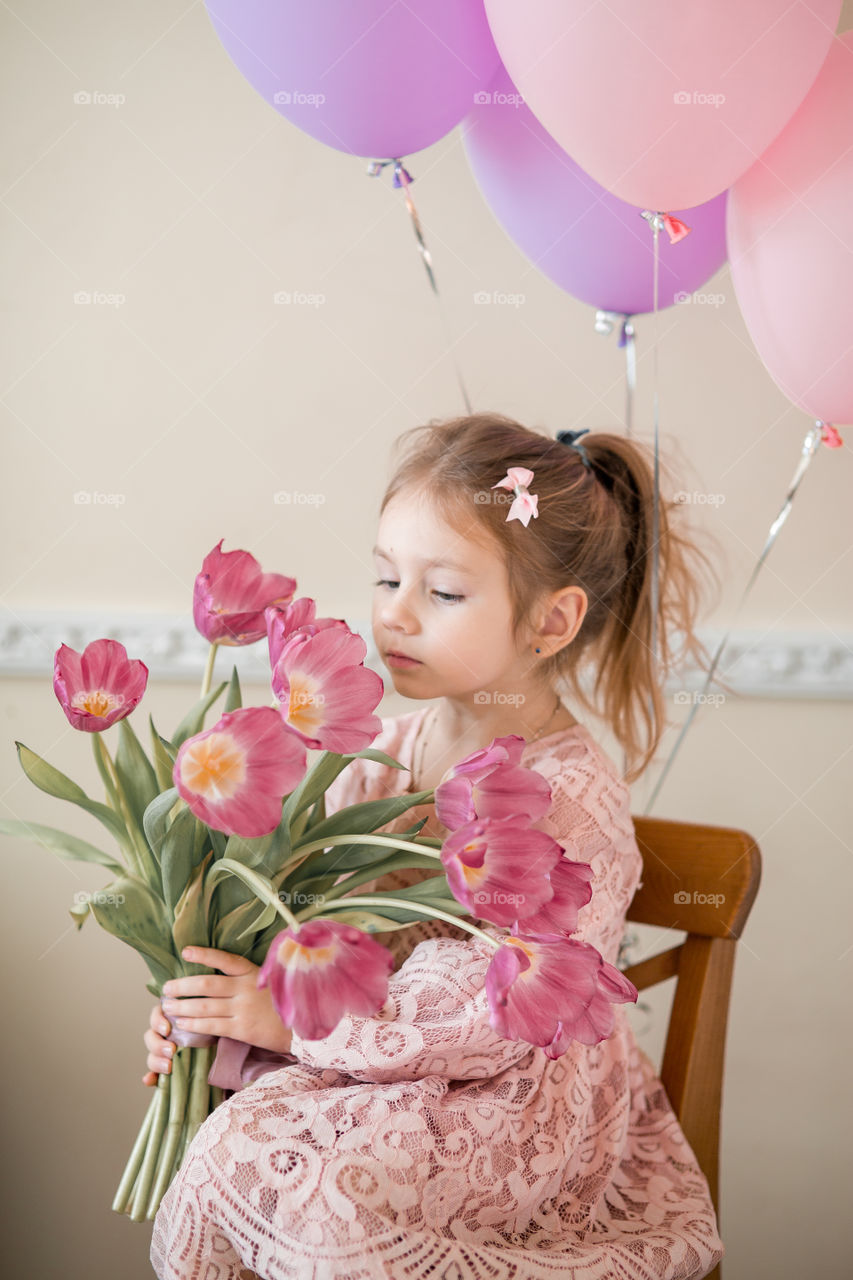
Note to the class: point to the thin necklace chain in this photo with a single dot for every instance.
(425, 737)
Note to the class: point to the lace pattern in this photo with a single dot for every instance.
(419, 1143)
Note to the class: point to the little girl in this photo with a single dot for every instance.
(419, 1142)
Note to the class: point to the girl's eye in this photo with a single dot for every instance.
(443, 595)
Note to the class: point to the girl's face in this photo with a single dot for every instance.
(444, 600)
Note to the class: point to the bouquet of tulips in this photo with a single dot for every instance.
(217, 830)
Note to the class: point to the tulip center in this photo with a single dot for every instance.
(214, 767)
(528, 950)
(96, 701)
(293, 955)
(305, 704)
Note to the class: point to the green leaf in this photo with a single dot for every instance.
(194, 719)
(348, 857)
(178, 857)
(135, 773)
(54, 783)
(190, 926)
(370, 922)
(262, 921)
(400, 861)
(234, 698)
(70, 847)
(155, 820)
(79, 912)
(359, 819)
(164, 757)
(261, 886)
(128, 910)
(218, 841)
(239, 923)
(371, 753)
(318, 778)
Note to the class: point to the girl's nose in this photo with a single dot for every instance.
(396, 614)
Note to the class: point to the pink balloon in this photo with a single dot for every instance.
(790, 236)
(664, 104)
(589, 242)
(368, 77)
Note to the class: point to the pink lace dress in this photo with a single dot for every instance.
(418, 1142)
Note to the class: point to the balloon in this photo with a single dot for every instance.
(664, 104)
(790, 236)
(589, 242)
(368, 77)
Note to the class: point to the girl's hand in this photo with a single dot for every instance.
(160, 1050)
(225, 1004)
(228, 1005)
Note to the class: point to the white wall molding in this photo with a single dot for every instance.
(756, 664)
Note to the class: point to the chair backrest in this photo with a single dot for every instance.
(700, 880)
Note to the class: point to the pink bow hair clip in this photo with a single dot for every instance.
(525, 504)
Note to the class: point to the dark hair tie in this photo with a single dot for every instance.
(570, 438)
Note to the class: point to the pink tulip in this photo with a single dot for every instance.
(282, 623)
(324, 970)
(499, 867)
(326, 693)
(570, 882)
(492, 783)
(550, 991)
(231, 594)
(99, 686)
(235, 775)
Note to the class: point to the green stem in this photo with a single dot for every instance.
(208, 671)
(433, 912)
(132, 1167)
(103, 762)
(390, 841)
(142, 1189)
(289, 918)
(198, 1107)
(169, 1146)
(137, 846)
(106, 768)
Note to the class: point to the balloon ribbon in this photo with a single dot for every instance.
(403, 180)
(820, 432)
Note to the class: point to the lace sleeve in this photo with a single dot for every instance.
(590, 816)
(434, 1022)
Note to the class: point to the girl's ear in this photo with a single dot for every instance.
(563, 619)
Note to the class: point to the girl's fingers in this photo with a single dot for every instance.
(224, 961)
(178, 1010)
(157, 1046)
(158, 1022)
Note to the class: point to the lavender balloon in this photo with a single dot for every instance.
(364, 76)
(589, 242)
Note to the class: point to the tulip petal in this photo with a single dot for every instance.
(231, 593)
(499, 867)
(553, 991)
(322, 971)
(99, 686)
(327, 695)
(234, 776)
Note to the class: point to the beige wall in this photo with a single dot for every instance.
(198, 398)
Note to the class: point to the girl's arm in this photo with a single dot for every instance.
(436, 1019)
(434, 1022)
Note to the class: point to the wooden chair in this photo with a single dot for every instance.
(701, 880)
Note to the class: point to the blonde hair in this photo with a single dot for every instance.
(594, 530)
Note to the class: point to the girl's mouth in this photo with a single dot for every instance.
(400, 660)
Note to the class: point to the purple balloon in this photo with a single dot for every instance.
(589, 242)
(367, 77)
